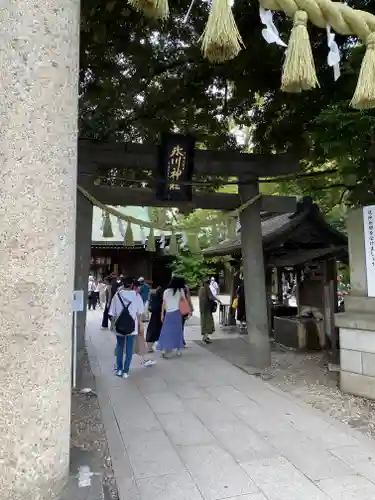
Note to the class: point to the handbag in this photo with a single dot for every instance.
(213, 306)
(185, 309)
(140, 347)
(235, 303)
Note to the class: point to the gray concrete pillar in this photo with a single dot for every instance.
(254, 279)
(82, 269)
(38, 152)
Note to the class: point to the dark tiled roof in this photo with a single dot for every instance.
(305, 227)
(270, 227)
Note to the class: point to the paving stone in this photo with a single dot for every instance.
(278, 479)
(185, 429)
(169, 487)
(215, 472)
(351, 487)
(152, 454)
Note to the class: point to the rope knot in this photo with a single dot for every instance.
(300, 18)
(370, 42)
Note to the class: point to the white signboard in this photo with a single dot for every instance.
(78, 301)
(369, 234)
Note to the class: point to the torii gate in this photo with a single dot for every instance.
(96, 159)
(38, 123)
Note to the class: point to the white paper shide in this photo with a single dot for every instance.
(369, 234)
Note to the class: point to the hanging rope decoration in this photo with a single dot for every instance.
(150, 246)
(129, 238)
(214, 235)
(173, 245)
(193, 244)
(346, 21)
(364, 95)
(190, 236)
(231, 229)
(221, 40)
(154, 9)
(299, 68)
(107, 226)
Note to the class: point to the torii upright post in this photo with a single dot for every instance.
(254, 278)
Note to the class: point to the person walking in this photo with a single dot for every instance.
(155, 324)
(101, 289)
(107, 301)
(214, 287)
(175, 305)
(241, 306)
(128, 302)
(144, 291)
(91, 293)
(207, 306)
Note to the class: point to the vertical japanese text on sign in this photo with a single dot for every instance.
(369, 234)
(176, 165)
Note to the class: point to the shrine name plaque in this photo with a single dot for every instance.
(175, 168)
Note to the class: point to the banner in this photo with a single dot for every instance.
(175, 168)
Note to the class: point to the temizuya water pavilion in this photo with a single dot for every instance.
(38, 121)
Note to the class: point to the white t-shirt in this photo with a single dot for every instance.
(172, 302)
(136, 307)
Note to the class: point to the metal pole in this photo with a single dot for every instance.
(74, 350)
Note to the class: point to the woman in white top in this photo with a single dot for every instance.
(171, 335)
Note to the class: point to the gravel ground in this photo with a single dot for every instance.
(306, 376)
(88, 433)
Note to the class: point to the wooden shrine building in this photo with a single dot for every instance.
(111, 255)
(302, 242)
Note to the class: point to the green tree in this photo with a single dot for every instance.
(193, 267)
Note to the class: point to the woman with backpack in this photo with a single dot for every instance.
(126, 310)
(155, 324)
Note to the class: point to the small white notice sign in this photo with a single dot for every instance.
(78, 300)
(369, 235)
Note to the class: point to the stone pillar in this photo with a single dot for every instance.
(38, 144)
(254, 279)
(357, 323)
(82, 269)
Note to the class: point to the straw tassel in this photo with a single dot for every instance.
(129, 239)
(221, 40)
(194, 243)
(156, 9)
(107, 226)
(231, 229)
(214, 235)
(150, 247)
(299, 68)
(364, 95)
(173, 245)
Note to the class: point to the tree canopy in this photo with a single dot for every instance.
(139, 77)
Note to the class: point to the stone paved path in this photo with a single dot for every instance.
(198, 428)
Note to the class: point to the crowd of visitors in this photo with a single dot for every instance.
(128, 304)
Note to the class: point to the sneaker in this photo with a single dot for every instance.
(207, 340)
(149, 362)
(119, 373)
(125, 375)
(178, 354)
